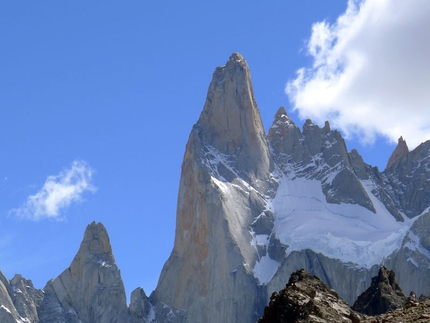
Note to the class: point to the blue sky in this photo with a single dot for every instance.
(97, 100)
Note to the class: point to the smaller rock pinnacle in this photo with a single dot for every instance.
(401, 150)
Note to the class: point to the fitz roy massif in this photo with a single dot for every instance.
(252, 209)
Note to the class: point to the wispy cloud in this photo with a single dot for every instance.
(370, 72)
(57, 193)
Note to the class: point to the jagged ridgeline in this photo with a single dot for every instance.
(252, 209)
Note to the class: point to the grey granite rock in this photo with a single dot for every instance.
(225, 172)
(91, 289)
(400, 151)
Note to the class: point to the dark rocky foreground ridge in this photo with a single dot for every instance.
(306, 299)
(229, 255)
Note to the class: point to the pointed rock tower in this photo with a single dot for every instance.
(383, 295)
(230, 121)
(210, 271)
(400, 151)
(91, 289)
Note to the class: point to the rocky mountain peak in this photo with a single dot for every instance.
(226, 155)
(383, 295)
(91, 289)
(321, 154)
(283, 134)
(407, 179)
(230, 108)
(400, 151)
(230, 121)
(95, 248)
(282, 118)
(307, 299)
(96, 241)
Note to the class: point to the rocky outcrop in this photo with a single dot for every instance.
(417, 313)
(307, 299)
(283, 135)
(8, 313)
(91, 289)
(140, 307)
(319, 153)
(400, 151)
(231, 123)
(348, 280)
(383, 295)
(18, 300)
(406, 181)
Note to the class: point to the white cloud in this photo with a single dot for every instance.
(58, 193)
(371, 72)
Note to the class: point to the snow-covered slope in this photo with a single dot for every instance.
(348, 232)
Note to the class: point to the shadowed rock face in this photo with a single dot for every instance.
(407, 181)
(18, 300)
(383, 295)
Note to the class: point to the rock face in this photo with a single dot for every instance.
(400, 151)
(383, 295)
(406, 181)
(230, 121)
(91, 289)
(226, 166)
(307, 299)
(412, 261)
(140, 307)
(319, 153)
(18, 300)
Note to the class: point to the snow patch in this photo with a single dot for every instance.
(151, 315)
(414, 244)
(22, 320)
(103, 263)
(260, 240)
(348, 232)
(5, 308)
(265, 269)
(412, 260)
